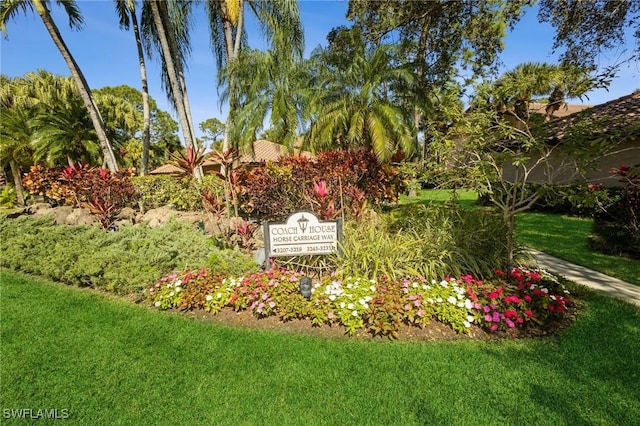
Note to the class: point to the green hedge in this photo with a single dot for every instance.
(124, 261)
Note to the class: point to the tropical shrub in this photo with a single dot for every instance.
(334, 182)
(102, 192)
(450, 241)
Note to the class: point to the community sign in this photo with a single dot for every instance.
(302, 234)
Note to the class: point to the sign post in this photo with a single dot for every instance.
(303, 234)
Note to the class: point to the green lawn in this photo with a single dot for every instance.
(561, 236)
(568, 238)
(107, 361)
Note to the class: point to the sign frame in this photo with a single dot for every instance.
(301, 234)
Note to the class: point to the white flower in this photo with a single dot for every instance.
(350, 306)
(178, 289)
(430, 300)
(467, 324)
(470, 318)
(468, 304)
(178, 283)
(157, 304)
(171, 294)
(209, 297)
(415, 285)
(460, 305)
(332, 297)
(342, 305)
(354, 313)
(439, 300)
(443, 283)
(219, 295)
(372, 288)
(451, 300)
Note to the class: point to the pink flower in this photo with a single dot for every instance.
(487, 318)
(494, 327)
(320, 188)
(420, 313)
(416, 303)
(510, 323)
(407, 307)
(496, 317)
(330, 315)
(487, 309)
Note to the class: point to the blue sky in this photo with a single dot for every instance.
(107, 55)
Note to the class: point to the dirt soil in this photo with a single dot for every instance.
(434, 331)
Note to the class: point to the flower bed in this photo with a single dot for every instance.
(519, 302)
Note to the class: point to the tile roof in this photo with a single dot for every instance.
(621, 113)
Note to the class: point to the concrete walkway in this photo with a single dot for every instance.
(595, 280)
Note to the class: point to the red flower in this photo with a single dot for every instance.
(104, 173)
(527, 298)
(528, 313)
(493, 295)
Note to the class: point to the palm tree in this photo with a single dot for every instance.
(268, 89)
(354, 108)
(15, 134)
(8, 10)
(126, 10)
(517, 88)
(279, 21)
(64, 136)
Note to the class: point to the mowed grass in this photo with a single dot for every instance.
(568, 238)
(466, 198)
(107, 361)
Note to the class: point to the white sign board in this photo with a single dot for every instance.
(302, 235)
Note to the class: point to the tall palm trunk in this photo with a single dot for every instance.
(170, 53)
(17, 181)
(233, 48)
(146, 110)
(83, 87)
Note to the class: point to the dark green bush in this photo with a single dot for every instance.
(184, 193)
(122, 261)
(616, 229)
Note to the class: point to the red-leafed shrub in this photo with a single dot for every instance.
(102, 192)
(335, 182)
